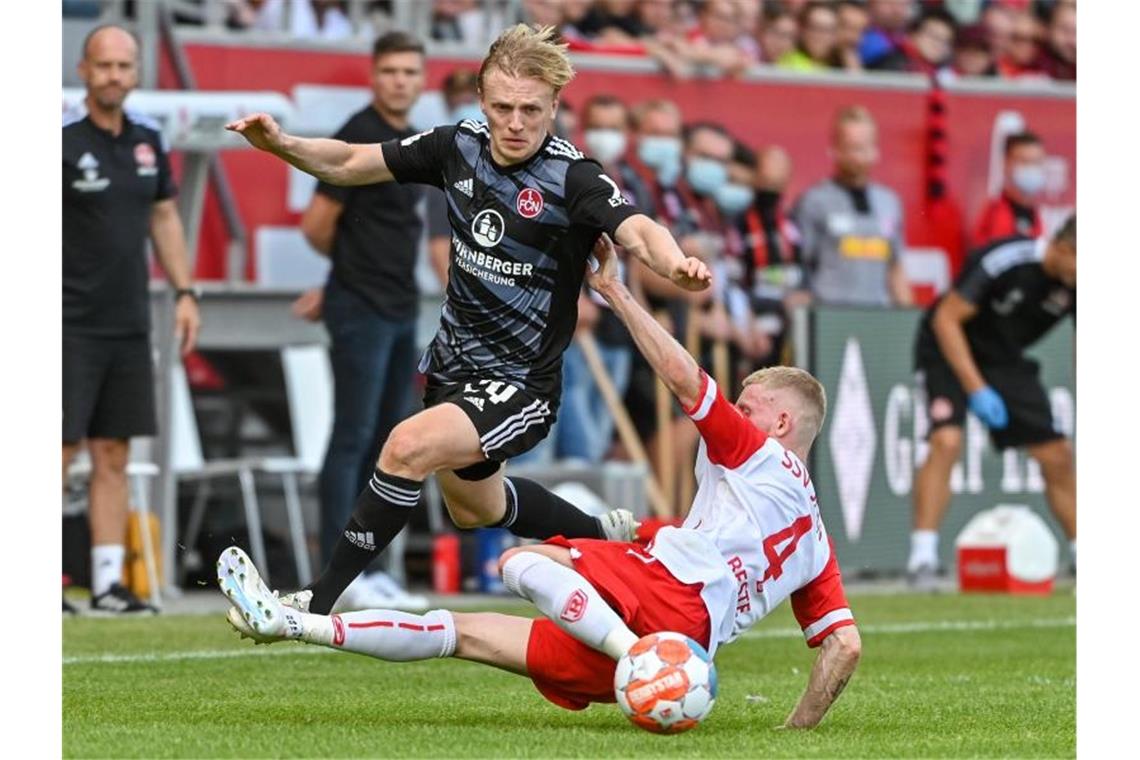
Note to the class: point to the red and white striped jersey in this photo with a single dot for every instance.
(754, 535)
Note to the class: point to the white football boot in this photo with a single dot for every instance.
(619, 525)
(257, 613)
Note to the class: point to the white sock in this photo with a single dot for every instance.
(106, 567)
(385, 634)
(569, 600)
(923, 549)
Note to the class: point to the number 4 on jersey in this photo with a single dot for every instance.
(777, 557)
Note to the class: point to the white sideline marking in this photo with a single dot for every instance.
(774, 633)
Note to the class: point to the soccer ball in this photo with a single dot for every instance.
(665, 683)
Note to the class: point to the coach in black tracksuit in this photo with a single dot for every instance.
(117, 193)
(970, 355)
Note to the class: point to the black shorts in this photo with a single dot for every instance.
(1030, 413)
(510, 420)
(108, 388)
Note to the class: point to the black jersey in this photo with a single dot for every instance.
(1017, 302)
(110, 186)
(520, 237)
(378, 230)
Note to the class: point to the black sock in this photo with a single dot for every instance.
(535, 512)
(382, 510)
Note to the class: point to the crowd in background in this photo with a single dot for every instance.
(840, 242)
(1007, 39)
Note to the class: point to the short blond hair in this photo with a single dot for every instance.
(531, 53)
(851, 115)
(809, 390)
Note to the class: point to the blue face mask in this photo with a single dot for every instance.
(705, 175)
(732, 199)
(663, 155)
(467, 111)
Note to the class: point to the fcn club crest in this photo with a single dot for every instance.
(529, 203)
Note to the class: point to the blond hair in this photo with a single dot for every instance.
(809, 390)
(531, 53)
(851, 115)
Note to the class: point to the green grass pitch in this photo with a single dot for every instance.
(948, 676)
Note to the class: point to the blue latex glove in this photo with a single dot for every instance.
(987, 406)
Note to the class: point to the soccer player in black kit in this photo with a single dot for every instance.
(525, 209)
(970, 354)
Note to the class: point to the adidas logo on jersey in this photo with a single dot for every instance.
(465, 186)
(474, 401)
(364, 540)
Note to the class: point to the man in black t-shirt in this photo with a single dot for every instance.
(970, 354)
(370, 302)
(117, 192)
(526, 209)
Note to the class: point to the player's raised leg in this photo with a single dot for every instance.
(489, 638)
(435, 438)
(546, 576)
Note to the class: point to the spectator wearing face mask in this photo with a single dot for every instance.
(585, 428)
(1014, 212)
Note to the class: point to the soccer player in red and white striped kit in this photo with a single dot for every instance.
(753, 538)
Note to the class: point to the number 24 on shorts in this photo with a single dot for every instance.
(496, 391)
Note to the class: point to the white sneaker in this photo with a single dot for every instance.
(399, 599)
(256, 612)
(619, 525)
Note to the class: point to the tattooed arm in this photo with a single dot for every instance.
(838, 656)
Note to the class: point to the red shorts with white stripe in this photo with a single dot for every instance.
(642, 592)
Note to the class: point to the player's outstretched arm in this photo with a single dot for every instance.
(672, 363)
(653, 245)
(838, 656)
(332, 161)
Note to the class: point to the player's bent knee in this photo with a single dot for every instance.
(403, 453)
(467, 520)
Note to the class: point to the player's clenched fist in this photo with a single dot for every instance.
(691, 274)
(260, 129)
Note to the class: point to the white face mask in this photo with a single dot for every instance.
(1029, 179)
(605, 145)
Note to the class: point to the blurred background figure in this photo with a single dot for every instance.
(817, 48)
(118, 193)
(926, 49)
(779, 31)
(852, 228)
(1059, 53)
(1022, 57)
(772, 276)
(972, 55)
(853, 21)
(887, 29)
(369, 306)
(1015, 211)
(585, 426)
(969, 353)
